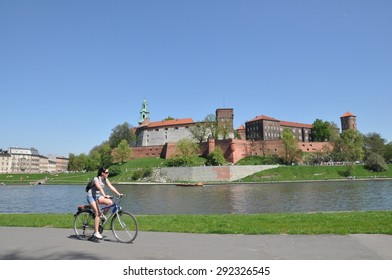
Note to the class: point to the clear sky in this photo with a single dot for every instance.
(70, 71)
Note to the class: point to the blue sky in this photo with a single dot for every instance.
(70, 71)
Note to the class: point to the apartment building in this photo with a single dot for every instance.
(28, 160)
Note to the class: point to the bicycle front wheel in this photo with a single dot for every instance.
(124, 227)
(84, 224)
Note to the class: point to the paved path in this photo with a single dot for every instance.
(61, 244)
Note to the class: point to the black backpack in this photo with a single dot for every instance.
(90, 185)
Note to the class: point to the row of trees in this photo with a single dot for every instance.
(349, 146)
(115, 149)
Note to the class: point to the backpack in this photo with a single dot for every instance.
(90, 185)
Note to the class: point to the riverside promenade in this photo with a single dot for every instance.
(20, 243)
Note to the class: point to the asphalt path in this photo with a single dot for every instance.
(20, 243)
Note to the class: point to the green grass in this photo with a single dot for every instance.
(298, 173)
(80, 177)
(282, 173)
(342, 223)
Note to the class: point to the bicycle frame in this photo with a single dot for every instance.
(116, 208)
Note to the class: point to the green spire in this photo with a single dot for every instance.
(144, 113)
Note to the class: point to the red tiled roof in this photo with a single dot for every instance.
(170, 122)
(241, 127)
(262, 117)
(348, 114)
(294, 124)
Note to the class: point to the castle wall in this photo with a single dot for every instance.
(233, 149)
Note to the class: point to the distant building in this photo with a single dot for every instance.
(162, 132)
(5, 161)
(264, 128)
(28, 160)
(173, 130)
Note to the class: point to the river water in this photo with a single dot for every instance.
(210, 199)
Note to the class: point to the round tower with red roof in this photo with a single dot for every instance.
(348, 121)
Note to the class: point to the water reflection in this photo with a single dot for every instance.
(217, 199)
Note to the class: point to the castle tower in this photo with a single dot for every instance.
(224, 118)
(144, 112)
(348, 121)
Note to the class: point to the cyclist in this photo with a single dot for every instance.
(96, 195)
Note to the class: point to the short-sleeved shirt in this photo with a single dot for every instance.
(94, 192)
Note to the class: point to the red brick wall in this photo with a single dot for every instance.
(233, 149)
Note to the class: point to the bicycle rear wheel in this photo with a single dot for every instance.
(124, 227)
(84, 224)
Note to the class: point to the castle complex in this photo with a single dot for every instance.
(260, 136)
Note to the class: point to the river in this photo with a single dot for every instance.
(211, 199)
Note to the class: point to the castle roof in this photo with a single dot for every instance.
(294, 124)
(170, 123)
(348, 114)
(263, 117)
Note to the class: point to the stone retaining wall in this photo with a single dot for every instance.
(211, 173)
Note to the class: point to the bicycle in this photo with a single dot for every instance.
(122, 223)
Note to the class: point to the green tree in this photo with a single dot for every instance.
(123, 152)
(349, 147)
(186, 153)
(324, 131)
(290, 143)
(94, 161)
(374, 144)
(105, 154)
(388, 152)
(376, 163)
(77, 162)
(122, 132)
(216, 157)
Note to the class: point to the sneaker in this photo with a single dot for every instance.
(103, 218)
(97, 235)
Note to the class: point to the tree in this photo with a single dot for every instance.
(186, 153)
(290, 144)
(216, 157)
(224, 130)
(204, 129)
(374, 143)
(376, 163)
(123, 152)
(105, 154)
(77, 162)
(122, 132)
(212, 125)
(349, 147)
(388, 152)
(323, 131)
(200, 131)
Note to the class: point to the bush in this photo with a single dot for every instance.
(376, 163)
(142, 173)
(216, 157)
(114, 170)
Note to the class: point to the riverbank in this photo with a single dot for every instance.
(278, 174)
(342, 223)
